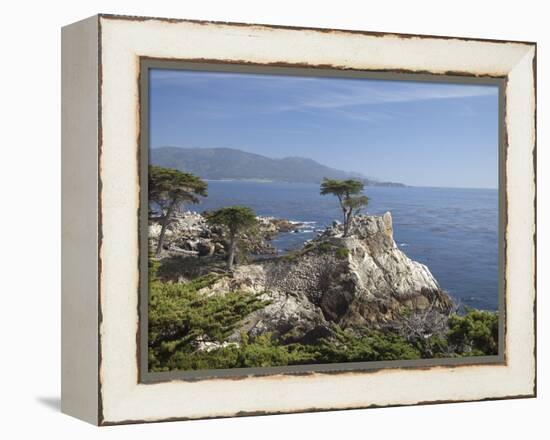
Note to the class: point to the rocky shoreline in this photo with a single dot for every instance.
(188, 234)
(362, 280)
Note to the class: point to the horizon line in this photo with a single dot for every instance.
(375, 179)
(259, 180)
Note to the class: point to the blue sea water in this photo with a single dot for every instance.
(452, 231)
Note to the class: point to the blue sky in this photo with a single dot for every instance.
(418, 133)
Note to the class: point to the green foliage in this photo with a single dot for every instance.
(153, 265)
(182, 267)
(182, 320)
(180, 317)
(167, 186)
(342, 252)
(342, 188)
(349, 196)
(325, 247)
(433, 347)
(262, 351)
(474, 334)
(356, 203)
(170, 189)
(170, 268)
(345, 346)
(234, 218)
(290, 257)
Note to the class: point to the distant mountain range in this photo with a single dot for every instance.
(232, 164)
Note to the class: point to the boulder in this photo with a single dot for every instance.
(363, 279)
(190, 232)
(205, 248)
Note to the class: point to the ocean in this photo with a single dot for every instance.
(452, 231)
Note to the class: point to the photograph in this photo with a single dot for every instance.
(312, 220)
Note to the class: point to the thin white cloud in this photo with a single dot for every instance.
(399, 92)
(365, 116)
(339, 97)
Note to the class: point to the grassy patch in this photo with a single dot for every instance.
(325, 247)
(342, 252)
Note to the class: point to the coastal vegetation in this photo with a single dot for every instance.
(189, 330)
(348, 295)
(349, 196)
(170, 189)
(236, 219)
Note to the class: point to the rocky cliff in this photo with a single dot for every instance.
(360, 280)
(188, 234)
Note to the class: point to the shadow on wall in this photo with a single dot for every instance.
(52, 403)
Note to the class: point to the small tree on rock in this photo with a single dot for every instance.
(236, 219)
(170, 189)
(349, 196)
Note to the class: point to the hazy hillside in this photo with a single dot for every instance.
(227, 163)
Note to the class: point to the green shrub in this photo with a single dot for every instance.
(474, 334)
(342, 252)
(345, 346)
(261, 351)
(433, 347)
(289, 257)
(180, 317)
(153, 265)
(325, 247)
(170, 268)
(264, 351)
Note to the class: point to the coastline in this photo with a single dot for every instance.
(443, 228)
(381, 185)
(359, 290)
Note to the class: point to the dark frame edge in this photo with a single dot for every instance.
(147, 63)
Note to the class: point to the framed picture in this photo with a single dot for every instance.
(262, 219)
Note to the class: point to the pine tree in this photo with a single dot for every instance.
(236, 219)
(170, 189)
(349, 196)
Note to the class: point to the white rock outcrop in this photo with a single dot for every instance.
(362, 279)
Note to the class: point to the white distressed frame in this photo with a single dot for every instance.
(122, 41)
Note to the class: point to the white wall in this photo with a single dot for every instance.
(30, 185)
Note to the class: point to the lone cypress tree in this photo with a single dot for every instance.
(236, 219)
(349, 196)
(170, 189)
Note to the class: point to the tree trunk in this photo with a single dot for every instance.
(164, 224)
(347, 221)
(231, 257)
